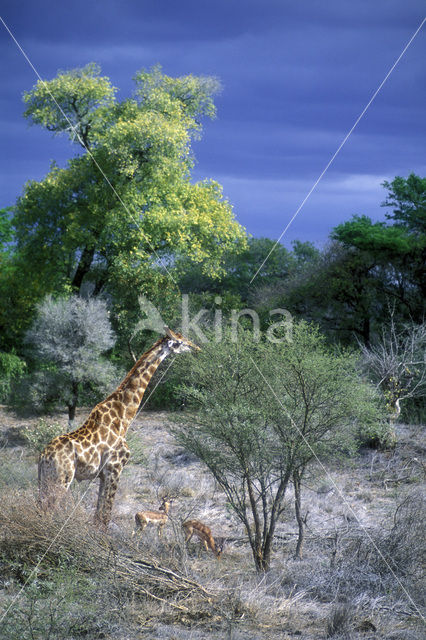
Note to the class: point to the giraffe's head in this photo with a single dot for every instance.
(177, 343)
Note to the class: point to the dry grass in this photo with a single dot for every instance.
(113, 586)
(66, 536)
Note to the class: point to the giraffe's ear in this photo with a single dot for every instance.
(168, 333)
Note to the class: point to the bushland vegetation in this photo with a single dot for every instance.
(260, 414)
(360, 572)
(305, 452)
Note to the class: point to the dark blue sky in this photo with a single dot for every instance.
(295, 75)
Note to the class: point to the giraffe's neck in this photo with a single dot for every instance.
(131, 390)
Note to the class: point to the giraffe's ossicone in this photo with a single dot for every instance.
(98, 448)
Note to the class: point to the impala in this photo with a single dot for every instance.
(159, 518)
(204, 533)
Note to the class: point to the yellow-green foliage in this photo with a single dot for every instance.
(129, 200)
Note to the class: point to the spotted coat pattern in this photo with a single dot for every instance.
(98, 448)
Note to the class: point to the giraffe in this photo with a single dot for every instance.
(98, 448)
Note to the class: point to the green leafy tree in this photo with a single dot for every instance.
(396, 255)
(407, 197)
(368, 268)
(246, 282)
(269, 293)
(262, 413)
(397, 248)
(241, 268)
(335, 289)
(6, 235)
(14, 294)
(11, 369)
(124, 206)
(6, 231)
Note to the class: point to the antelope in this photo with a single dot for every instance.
(160, 517)
(204, 533)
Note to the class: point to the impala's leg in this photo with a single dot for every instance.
(160, 529)
(143, 526)
(199, 547)
(206, 546)
(189, 536)
(139, 526)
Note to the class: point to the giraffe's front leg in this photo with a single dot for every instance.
(55, 475)
(109, 477)
(107, 489)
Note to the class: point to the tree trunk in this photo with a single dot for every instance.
(71, 414)
(73, 404)
(256, 543)
(262, 545)
(261, 560)
(298, 509)
(366, 331)
(268, 537)
(83, 267)
(99, 284)
(267, 547)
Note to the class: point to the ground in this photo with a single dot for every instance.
(358, 578)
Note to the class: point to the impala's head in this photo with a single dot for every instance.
(177, 343)
(219, 546)
(166, 502)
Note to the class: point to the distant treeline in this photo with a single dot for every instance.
(124, 219)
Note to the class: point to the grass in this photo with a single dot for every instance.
(62, 578)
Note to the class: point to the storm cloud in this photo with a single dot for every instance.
(295, 78)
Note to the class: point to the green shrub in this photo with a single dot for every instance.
(263, 412)
(377, 435)
(414, 411)
(60, 603)
(11, 368)
(38, 393)
(38, 436)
